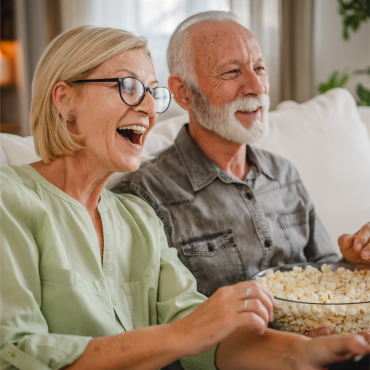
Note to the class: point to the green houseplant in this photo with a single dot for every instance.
(354, 13)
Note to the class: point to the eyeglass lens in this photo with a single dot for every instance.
(132, 91)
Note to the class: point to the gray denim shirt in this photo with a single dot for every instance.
(225, 229)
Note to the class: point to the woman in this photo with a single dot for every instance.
(82, 267)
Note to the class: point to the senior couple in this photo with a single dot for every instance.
(87, 275)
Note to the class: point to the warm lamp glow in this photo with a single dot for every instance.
(8, 51)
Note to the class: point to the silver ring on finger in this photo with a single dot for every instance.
(248, 292)
(245, 304)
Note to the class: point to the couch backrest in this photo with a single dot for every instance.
(325, 138)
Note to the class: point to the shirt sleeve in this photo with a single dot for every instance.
(26, 343)
(178, 297)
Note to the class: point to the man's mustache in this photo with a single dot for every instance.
(250, 103)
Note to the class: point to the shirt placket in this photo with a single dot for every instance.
(259, 221)
(109, 272)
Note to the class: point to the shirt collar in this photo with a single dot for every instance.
(201, 170)
(255, 157)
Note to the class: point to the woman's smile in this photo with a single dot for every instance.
(132, 134)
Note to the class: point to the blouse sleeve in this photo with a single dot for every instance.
(26, 343)
(178, 297)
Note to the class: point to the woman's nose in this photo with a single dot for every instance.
(147, 105)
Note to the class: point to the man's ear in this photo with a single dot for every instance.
(61, 98)
(181, 91)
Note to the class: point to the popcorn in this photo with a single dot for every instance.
(308, 286)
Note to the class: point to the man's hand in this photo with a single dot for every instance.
(356, 248)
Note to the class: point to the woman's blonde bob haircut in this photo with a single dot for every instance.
(71, 56)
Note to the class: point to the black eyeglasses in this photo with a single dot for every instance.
(133, 91)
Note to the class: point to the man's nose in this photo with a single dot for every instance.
(252, 85)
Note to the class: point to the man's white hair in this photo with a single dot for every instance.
(178, 52)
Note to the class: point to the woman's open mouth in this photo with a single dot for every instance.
(132, 134)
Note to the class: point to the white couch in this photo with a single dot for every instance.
(327, 138)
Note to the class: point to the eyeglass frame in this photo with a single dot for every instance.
(146, 89)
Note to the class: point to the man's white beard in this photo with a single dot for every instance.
(222, 119)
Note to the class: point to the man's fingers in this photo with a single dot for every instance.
(362, 240)
(366, 336)
(345, 241)
(328, 350)
(350, 345)
(365, 253)
(321, 332)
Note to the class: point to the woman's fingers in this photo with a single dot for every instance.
(251, 319)
(256, 306)
(258, 292)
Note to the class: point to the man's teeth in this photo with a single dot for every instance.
(136, 128)
(248, 110)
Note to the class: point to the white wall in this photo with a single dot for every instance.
(332, 52)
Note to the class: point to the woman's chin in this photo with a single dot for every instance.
(128, 165)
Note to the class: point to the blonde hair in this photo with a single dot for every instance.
(71, 56)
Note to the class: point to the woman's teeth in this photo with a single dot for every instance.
(135, 128)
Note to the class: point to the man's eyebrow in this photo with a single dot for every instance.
(133, 74)
(261, 59)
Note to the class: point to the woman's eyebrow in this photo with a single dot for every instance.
(133, 74)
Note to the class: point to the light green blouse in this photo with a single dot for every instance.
(56, 294)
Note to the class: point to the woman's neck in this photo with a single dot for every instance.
(80, 178)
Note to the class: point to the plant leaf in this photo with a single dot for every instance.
(364, 95)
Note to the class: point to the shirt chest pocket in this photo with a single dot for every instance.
(67, 299)
(215, 260)
(297, 232)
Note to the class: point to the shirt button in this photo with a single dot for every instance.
(211, 248)
(10, 353)
(267, 243)
(113, 301)
(249, 196)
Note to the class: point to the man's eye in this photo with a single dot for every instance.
(232, 71)
(260, 68)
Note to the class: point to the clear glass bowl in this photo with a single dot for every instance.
(302, 317)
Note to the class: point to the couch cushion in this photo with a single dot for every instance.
(18, 149)
(3, 158)
(327, 141)
(365, 116)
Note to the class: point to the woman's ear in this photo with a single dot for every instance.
(181, 91)
(62, 98)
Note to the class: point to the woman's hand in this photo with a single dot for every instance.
(318, 353)
(246, 304)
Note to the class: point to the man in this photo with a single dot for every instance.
(231, 210)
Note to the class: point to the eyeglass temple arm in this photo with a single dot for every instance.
(99, 80)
